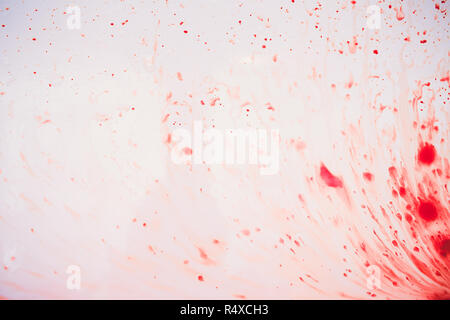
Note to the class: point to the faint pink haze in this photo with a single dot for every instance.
(357, 210)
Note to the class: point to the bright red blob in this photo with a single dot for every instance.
(427, 211)
(427, 154)
(330, 179)
(368, 176)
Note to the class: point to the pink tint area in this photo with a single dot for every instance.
(358, 207)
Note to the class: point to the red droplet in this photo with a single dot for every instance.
(200, 278)
(330, 179)
(368, 176)
(427, 211)
(427, 154)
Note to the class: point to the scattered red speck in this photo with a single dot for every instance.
(246, 232)
(203, 254)
(423, 41)
(329, 178)
(394, 243)
(408, 217)
(263, 46)
(112, 23)
(375, 51)
(274, 59)
(50, 85)
(185, 31)
(132, 108)
(213, 102)
(187, 151)
(179, 76)
(34, 39)
(407, 39)
(200, 278)
(125, 22)
(427, 211)
(368, 176)
(400, 16)
(427, 154)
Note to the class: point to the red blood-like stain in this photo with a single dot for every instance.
(408, 217)
(444, 248)
(330, 179)
(200, 278)
(368, 176)
(187, 151)
(427, 154)
(375, 51)
(399, 14)
(427, 211)
(203, 255)
(393, 172)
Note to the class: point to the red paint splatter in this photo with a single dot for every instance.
(368, 176)
(427, 211)
(427, 154)
(444, 248)
(330, 179)
(399, 14)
